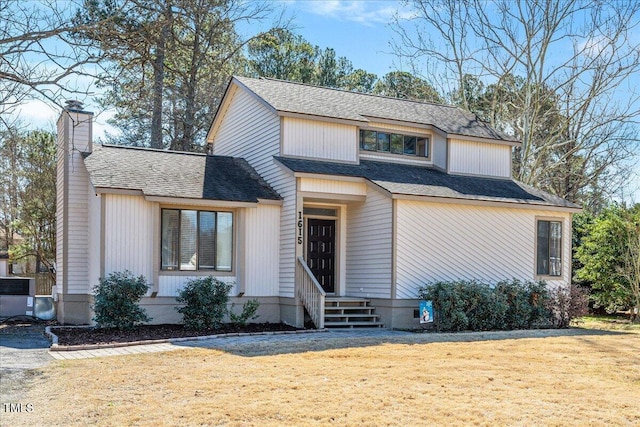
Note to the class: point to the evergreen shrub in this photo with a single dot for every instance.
(205, 302)
(470, 305)
(116, 301)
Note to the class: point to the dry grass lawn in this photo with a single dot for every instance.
(580, 379)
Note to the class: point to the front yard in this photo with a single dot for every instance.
(578, 378)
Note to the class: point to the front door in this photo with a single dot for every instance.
(321, 244)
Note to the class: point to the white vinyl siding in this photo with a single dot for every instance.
(439, 147)
(369, 247)
(444, 242)
(129, 237)
(398, 128)
(319, 140)
(252, 131)
(336, 187)
(93, 253)
(259, 262)
(479, 158)
(168, 286)
(60, 208)
(74, 138)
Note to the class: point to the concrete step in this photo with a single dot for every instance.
(346, 302)
(350, 312)
(353, 324)
(352, 316)
(361, 310)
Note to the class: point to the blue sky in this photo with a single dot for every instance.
(358, 30)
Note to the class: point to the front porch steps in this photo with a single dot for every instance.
(347, 312)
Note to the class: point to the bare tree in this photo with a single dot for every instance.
(39, 58)
(574, 104)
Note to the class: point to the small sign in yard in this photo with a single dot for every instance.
(426, 312)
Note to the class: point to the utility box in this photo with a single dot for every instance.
(17, 296)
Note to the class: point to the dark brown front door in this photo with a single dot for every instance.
(321, 243)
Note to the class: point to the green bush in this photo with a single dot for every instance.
(116, 301)
(526, 303)
(205, 303)
(249, 309)
(475, 306)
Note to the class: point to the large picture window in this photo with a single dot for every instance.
(549, 248)
(197, 240)
(394, 143)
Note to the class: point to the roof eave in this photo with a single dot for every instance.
(513, 203)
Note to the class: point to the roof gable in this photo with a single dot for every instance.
(302, 99)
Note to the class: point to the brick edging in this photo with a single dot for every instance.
(56, 347)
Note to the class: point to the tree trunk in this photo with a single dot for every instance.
(158, 83)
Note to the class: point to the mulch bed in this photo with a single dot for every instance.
(79, 336)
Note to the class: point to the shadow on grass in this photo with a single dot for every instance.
(268, 345)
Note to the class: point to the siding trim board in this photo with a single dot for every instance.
(516, 204)
(380, 122)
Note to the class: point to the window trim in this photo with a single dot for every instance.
(547, 276)
(428, 145)
(198, 271)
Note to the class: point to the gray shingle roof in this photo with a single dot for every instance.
(300, 98)
(425, 181)
(173, 174)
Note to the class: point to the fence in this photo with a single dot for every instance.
(44, 283)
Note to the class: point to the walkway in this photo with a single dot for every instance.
(254, 345)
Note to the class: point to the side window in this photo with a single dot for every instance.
(549, 248)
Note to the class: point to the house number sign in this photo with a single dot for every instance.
(300, 225)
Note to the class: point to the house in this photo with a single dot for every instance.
(318, 202)
(4, 263)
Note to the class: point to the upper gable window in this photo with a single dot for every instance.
(394, 143)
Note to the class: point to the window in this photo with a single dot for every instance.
(394, 143)
(549, 248)
(196, 240)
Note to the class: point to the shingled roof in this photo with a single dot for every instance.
(290, 97)
(413, 180)
(174, 174)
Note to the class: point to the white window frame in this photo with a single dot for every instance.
(198, 270)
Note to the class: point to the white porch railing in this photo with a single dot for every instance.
(310, 293)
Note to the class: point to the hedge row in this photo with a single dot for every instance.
(476, 306)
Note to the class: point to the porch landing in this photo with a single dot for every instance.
(350, 312)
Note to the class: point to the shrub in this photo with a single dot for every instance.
(526, 303)
(116, 301)
(205, 302)
(249, 309)
(472, 305)
(565, 305)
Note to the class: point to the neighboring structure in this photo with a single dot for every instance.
(366, 197)
(4, 263)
